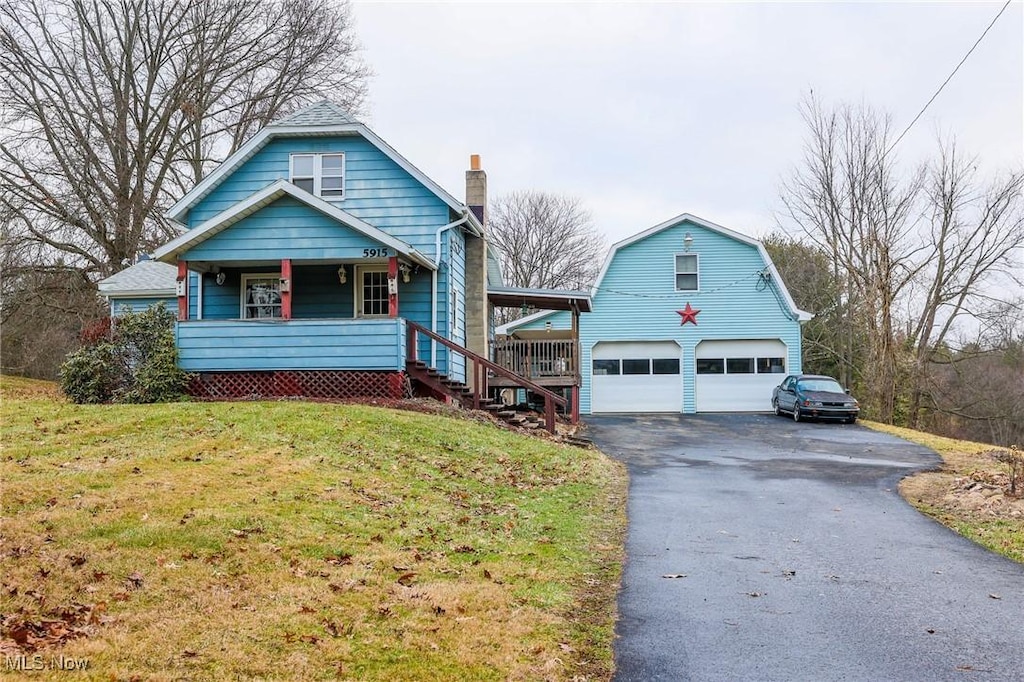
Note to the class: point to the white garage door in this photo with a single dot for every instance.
(636, 376)
(738, 376)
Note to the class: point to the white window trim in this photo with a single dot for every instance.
(318, 169)
(676, 273)
(357, 286)
(245, 277)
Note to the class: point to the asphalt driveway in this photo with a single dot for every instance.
(761, 549)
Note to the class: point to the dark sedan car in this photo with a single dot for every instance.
(812, 395)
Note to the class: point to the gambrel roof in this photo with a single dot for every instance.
(790, 304)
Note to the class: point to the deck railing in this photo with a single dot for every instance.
(480, 368)
(537, 358)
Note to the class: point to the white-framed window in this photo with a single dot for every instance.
(687, 272)
(372, 291)
(261, 296)
(319, 174)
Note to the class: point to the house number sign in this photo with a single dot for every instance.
(376, 253)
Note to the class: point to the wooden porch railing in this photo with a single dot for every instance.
(480, 367)
(537, 358)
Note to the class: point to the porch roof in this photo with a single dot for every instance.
(546, 299)
(170, 252)
(145, 278)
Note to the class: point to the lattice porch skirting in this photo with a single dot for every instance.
(336, 384)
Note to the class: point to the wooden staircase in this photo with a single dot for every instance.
(476, 396)
(439, 386)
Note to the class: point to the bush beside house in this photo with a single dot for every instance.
(135, 362)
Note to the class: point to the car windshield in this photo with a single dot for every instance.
(830, 385)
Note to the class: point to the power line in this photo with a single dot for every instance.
(950, 77)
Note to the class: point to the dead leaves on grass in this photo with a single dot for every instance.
(54, 629)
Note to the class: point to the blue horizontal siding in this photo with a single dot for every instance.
(220, 345)
(286, 228)
(377, 189)
(316, 293)
(119, 305)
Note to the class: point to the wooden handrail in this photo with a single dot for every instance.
(537, 357)
(481, 364)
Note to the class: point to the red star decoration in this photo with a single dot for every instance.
(689, 314)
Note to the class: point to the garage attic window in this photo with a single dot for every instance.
(687, 272)
(319, 174)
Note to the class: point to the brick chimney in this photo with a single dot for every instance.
(477, 306)
(476, 189)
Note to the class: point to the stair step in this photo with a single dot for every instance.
(490, 407)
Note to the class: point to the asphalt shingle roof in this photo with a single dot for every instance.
(323, 113)
(147, 275)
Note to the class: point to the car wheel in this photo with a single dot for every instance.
(851, 420)
(775, 406)
(796, 413)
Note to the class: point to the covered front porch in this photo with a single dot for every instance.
(549, 357)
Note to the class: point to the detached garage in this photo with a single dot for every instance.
(688, 317)
(636, 376)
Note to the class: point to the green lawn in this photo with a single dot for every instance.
(292, 540)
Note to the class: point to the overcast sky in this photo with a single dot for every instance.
(648, 110)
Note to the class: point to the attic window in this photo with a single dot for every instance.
(319, 174)
(687, 272)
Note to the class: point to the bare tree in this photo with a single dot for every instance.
(975, 233)
(113, 108)
(546, 240)
(847, 197)
(976, 391)
(916, 251)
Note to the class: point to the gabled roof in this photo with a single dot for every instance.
(325, 118)
(800, 315)
(170, 251)
(144, 279)
(323, 113)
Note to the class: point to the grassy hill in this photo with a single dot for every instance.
(293, 540)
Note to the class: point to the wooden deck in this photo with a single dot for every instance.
(553, 362)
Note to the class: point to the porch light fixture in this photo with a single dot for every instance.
(687, 242)
(221, 278)
(342, 275)
(406, 271)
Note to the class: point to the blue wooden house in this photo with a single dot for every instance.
(318, 261)
(688, 316)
